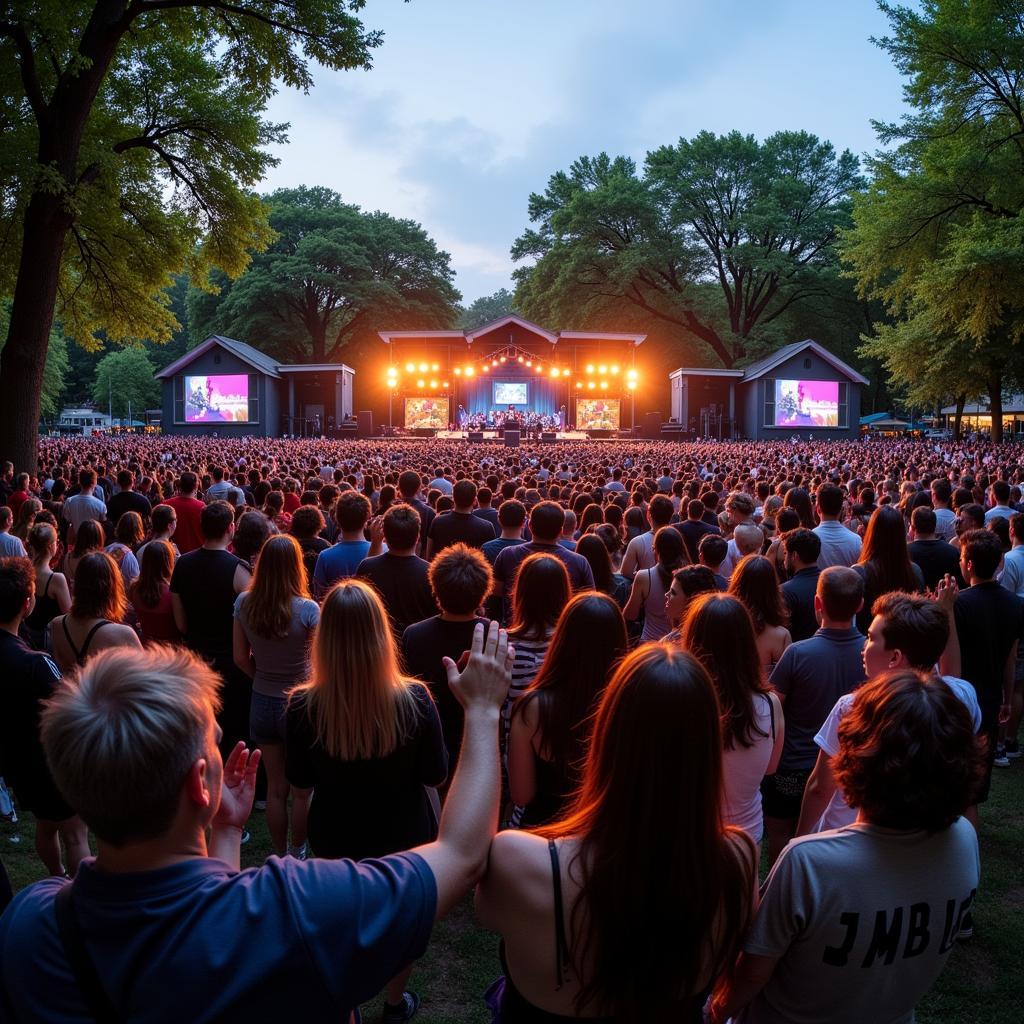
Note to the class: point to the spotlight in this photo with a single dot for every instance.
(458, 371)
(602, 369)
(486, 368)
(424, 367)
(631, 384)
(433, 384)
(615, 369)
(494, 362)
(578, 385)
(392, 383)
(504, 359)
(590, 367)
(469, 371)
(565, 372)
(539, 368)
(435, 367)
(631, 374)
(529, 362)
(445, 385)
(555, 371)
(591, 385)
(421, 384)
(604, 385)
(520, 359)
(410, 367)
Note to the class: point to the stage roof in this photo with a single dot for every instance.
(511, 320)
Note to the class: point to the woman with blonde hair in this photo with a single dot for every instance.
(95, 621)
(151, 595)
(53, 597)
(273, 630)
(367, 740)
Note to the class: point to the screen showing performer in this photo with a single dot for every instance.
(597, 414)
(426, 413)
(806, 403)
(511, 392)
(220, 398)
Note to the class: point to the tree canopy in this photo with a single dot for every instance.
(721, 236)
(486, 309)
(332, 274)
(133, 137)
(124, 382)
(939, 233)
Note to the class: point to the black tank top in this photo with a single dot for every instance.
(45, 611)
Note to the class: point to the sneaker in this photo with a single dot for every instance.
(1001, 760)
(1012, 748)
(966, 932)
(405, 1010)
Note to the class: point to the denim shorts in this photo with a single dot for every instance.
(267, 718)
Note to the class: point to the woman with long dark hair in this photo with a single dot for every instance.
(551, 721)
(150, 595)
(799, 499)
(366, 739)
(719, 633)
(884, 562)
(589, 930)
(273, 630)
(651, 585)
(606, 580)
(540, 592)
(53, 597)
(755, 583)
(88, 538)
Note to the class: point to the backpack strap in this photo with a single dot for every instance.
(90, 987)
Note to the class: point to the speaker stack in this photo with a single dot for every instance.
(476, 436)
(548, 435)
(511, 438)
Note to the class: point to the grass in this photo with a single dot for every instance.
(979, 986)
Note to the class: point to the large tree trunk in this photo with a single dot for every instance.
(995, 404)
(23, 358)
(958, 418)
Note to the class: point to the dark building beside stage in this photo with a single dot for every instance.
(800, 389)
(233, 389)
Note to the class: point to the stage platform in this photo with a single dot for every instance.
(493, 435)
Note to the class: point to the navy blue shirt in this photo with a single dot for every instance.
(798, 593)
(198, 941)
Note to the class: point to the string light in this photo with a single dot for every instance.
(421, 384)
(469, 371)
(458, 371)
(410, 367)
(631, 375)
(423, 367)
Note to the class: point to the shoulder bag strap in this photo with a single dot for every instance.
(82, 966)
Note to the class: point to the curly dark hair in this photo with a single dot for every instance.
(908, 755)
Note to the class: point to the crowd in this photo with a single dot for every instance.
(598, 683)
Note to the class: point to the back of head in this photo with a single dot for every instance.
(841, 591)
(830, 500)
(908, 755)
(712, 549)
(401, 527)
(216, 520)
(40, 542)
(251, 534)
(803, 543)
(923, 520)
(17, 585)
(660, 511)
(460, 579)
(756, 584)
(307, 522)
(352, 512)
(122, 735)
(187, 483)
(749, 538)
(99, 589)
(593, 549)
(916, 626)
(409, 484)
(695, 579)
(280, 576)
(695, 508)
(511, 514)
(546, 519)
(540, 592)
(88, 537)
(718, 631)
(464, 494)
(670, 551)
(652, 780)
(86, 478)
(154, 573)
(983, 552)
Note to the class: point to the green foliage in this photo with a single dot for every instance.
(124, 380)
(939, 233)
(487, 309)
(57, 368)
(333, 274)
(720, 237)
(171, 147)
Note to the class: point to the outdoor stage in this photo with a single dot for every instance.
(494, 435)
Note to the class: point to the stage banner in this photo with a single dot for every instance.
(597, 413)
(426, 413)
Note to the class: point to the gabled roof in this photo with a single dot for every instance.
(762, 367)
(636, 339)
(256, 359)
(504, 321)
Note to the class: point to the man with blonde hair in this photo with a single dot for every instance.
(162, 921)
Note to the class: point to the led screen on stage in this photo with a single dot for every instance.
(806, 403)
(597, 414)
(426, 413)
(510, 393)
(219, 398)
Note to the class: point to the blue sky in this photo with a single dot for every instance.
(473, 104)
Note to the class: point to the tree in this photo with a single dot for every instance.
(125, 383)
(720, 236)
(56, 370)
(133, 133)
(332, 274)
(487, 309)
(939, 234)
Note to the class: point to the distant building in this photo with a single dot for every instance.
(82, 420)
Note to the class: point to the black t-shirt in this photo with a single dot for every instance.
(128, 501)
(205, 581)
(424, 644)
(401, 580)
(459, 527)
(692, 530)
(368, 808)
(311, 548)
(988, 621)
(27, 679)
(489, 515)
(798, 593)
(935, 558)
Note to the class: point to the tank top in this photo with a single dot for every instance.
(656, 623)
(44, 612)
(81, 653)
(743, 769)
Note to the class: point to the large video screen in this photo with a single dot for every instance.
(806, 403)
(219, 398)
(511, 393)
(597, 414)
(426, 413)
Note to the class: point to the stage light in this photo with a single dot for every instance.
(424, 367)
(604, 385)
(555, 372)
(565, 372)
(392, 383)
(410, 367)
(469, 371)
(590, 367)
(591, 385)
(392, 372)
(421, 384)
(539, 368)
(504, 359)
(494, 362)
(579, 384)
(615, 369)
(602, 369)
(433, 384)
(435, 367)
(458, 371)
(631, 384)
(529, 362)
(486, 368)
(445, 385)
(520, 359)
(631, 375)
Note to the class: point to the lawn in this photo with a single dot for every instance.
(980, 984)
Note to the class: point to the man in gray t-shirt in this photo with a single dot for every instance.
(856, 924)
